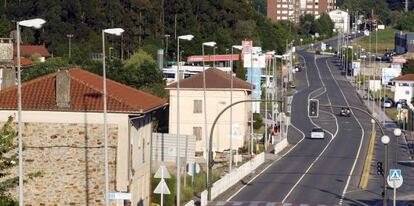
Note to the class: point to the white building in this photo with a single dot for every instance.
(404, 87)
(341, 20)
(218, 97)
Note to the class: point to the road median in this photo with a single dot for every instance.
(363, 184)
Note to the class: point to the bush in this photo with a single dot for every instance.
(258, 121)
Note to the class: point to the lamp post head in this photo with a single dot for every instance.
(385, 139)
(35, 23)
(210, 43)
(188, 37)
(239, 47)
(114, 31)
(397, 132)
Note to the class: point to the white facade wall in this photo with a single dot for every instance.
(404, 90)
(216, 102)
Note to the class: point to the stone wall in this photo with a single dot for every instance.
(70, 159)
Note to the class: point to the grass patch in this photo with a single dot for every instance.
(188, 192)
(385, 40)
(392, 113)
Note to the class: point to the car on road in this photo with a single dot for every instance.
(291, 85)
(317, 133)
(345, 112)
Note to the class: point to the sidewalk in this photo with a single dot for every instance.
(380, 115)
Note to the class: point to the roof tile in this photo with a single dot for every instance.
(86, 92)
(215, 79)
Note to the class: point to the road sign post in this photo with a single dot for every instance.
(162, 187)
(395, 180)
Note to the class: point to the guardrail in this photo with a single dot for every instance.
(232, 178)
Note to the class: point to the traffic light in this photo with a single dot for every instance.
(313, 108)
(380, 169)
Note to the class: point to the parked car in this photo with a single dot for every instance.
(317, 133)
(291, 85)
(387, 104)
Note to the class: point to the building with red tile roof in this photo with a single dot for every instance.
(30, 50)
(63, 133)
(86, 91)
(218, 93)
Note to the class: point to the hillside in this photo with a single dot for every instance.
(146, 22)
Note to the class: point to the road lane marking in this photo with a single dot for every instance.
(326, 147)
(303, 137)
(360, 143)
(248, 183)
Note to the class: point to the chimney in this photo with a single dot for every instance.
(8, 77)
(63, 88)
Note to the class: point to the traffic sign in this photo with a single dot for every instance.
(119, 196)
(395, 183)
(193, 168)
(162, 172)
(162, 188)
(395, 174)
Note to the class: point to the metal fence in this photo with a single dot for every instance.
(164, 147)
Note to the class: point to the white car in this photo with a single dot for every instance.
(387, 104)
(317, 133)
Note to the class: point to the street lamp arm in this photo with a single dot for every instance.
(359, 109)
(210, 154)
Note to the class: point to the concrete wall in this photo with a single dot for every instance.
(140, 160)
(216, 102)
(67, 148)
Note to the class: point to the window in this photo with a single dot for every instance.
(407, 92)
(197, 133)
(197, 106)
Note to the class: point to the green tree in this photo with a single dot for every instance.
(408, 67)
(139, 71)
(305, 23)
(8, 159)
(240, 70)
(47, 67)
(5, 27)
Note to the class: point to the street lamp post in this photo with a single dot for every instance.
(167, 36)
(70, 44)
(385, 140)
(188, 38)
(37, 24)
(238, 47)
(118, 32)
(210, 44)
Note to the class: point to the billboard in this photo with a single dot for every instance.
(390, 73)
(254, 77)
(356, 67)
(255, 60)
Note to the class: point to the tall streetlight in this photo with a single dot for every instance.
(209, 44)
(238, 47)
(385, 140)
(187, 38)
(117, 32)
(167, 36)
(37, 24)
(70, 44)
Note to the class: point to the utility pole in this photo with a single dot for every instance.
(70, 44)
(406, 6)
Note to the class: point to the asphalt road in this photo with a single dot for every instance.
(316, 171)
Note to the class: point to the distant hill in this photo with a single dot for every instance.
(146, 23)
